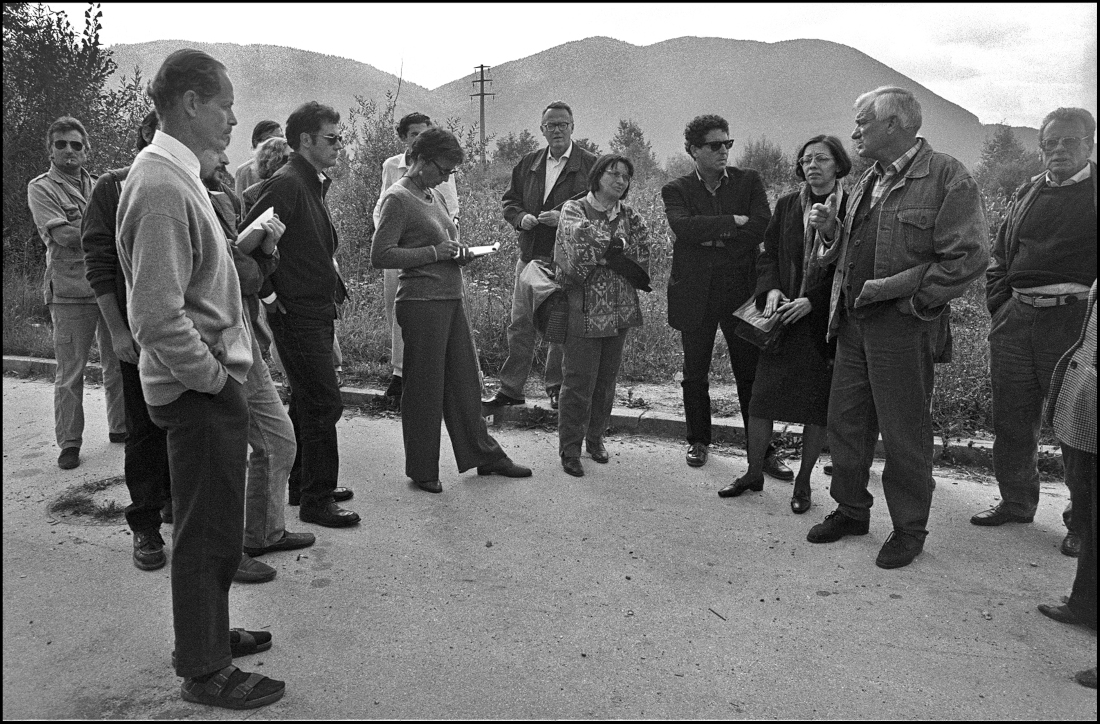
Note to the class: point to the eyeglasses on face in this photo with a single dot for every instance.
(76, 145)
(618, 175)
(820, 158)
(716, 145)
(445, 172)
(559, 126)
(332, 138)
(1071, 143)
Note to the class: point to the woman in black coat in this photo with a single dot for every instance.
(792, 384)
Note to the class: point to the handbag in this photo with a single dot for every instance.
(752, 326)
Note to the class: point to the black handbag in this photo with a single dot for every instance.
(765, 332)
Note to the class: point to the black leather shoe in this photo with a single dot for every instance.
(1063, 614)
(393, 392)
(502, 400)
(504, 467)
(289, 541)
(597, 450)
(251, 570)
(697, 455)
(999, 516)
(741, 485)
(149, 550)
(340, 495)
(572, 466)
(553, 395)
(899, 550)
(431, 486)
(69, 458)
(1071, 545)
(774, 467)
(330, 516)
(835, 526)
(800, 501)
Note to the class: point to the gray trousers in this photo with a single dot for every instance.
(271, 438)
(75, 328)
(590, 367)
(521, 347)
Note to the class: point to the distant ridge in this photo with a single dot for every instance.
(787, 91)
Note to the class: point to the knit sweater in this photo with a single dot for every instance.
(408, 230)
(184, 300)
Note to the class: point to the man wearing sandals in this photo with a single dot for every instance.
(187, 315)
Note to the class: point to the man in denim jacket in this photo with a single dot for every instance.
(913, 239)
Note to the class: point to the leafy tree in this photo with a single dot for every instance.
(1004, 165)
(679, 164)
(512, 148)
(588, 145)
(630, 142)
(767, 159)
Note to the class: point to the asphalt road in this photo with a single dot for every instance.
(634, 592)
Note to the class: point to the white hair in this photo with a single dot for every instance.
(889, 101)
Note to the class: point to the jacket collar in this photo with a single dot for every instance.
(919, 166)
(66, 182)
(572, 163)
(306, 170)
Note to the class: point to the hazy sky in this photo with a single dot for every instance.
(1001, 61)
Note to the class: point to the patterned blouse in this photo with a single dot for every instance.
(601, 301)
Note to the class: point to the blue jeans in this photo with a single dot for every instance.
(521, 347)
(148, 476)
(207, 444)
(1024, 345)
(271, 437)
(589, 368)
(882, 381)
(306, 351)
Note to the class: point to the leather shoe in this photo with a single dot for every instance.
(431, 486)
(597, 450)
(899, 550)
(697, 455)
(741, 485)
(835, 526)
(553, 395)
(800, 501)
(774, 467)
(1063, 614)
(1071, 545)
(69, 458)
(339, 495)
(289, 541)
(504, 467)
(251, 570)
(149, 550)
(998, 515)
(572, 466)
(330, 516)
(501, 400)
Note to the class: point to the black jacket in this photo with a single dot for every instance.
(97, 237)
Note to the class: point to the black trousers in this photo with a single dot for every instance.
(146, 463)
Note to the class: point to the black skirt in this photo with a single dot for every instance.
(792, 385)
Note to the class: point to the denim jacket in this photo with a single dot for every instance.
(931, 240)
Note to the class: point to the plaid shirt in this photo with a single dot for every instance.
(884, 180)
(1072, 400)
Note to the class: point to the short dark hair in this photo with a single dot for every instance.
(308, 118)
(265, 129)
(64, 124)
(696, 132)
(558, 105)
(603, 163)
(411, 119)
(148, 123)
(437, 144)
(1070, 115)
(182, 71)
(836, 148)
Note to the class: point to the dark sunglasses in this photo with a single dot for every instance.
(716, 145)
(1072, 143)
(76, 145)
(444, 171)
(332, 139)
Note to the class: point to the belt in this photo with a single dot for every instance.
(1046, 300)
(714, 244)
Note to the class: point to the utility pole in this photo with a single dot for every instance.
(481, 95)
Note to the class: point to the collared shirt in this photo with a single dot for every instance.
(1078, 177)
(179, 154)
(721, 180)
(612, 213)
(554, 169)
(885, 179)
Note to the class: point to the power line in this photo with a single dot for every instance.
(481, 95)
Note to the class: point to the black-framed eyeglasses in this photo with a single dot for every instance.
(559, 126)
(76, 145)
(821, 158)
(445, 172)
(716, 145)
(332, 138)
(1071, 143)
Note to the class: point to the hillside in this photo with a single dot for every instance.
(786, 91)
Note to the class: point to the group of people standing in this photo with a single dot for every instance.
(190, 281)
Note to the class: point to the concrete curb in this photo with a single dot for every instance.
(978, 453)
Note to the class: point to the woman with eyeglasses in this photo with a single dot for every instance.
(417, 235)
(792, 384)
(602, 250)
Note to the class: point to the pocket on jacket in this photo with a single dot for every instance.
(917, 227)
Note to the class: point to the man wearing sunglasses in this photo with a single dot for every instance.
(301, 299)
(718, 214)
(1044, 262)
(57, 200)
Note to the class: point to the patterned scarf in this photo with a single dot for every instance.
(812, 270)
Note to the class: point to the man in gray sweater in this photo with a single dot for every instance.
(187, 316)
